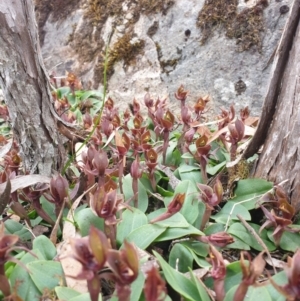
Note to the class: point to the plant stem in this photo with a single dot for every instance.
(97, 121)
(165, 145)
(135, 188)
(121, 173)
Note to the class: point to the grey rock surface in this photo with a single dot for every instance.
(172, 55)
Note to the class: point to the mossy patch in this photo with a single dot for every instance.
(125, 49)
(167, 66)
(245, 27)
(238, 172)
(97, 11)
(148, 7)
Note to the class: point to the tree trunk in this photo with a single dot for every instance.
(26, 88)
(279, 127)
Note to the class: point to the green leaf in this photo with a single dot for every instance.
(197, 247)
(85, 218)
(203, 295)
(45, 274)
(233, 274)
(193, 176)
(146, 182)
(180, 258)
(252, 190)
(221, 154)
(214, 169)
(45, 247)
(87, 94)
(20, 279)
(73, 100)
(176, 220)
(253, 294)
(63, 91)
(66, 293)
(289, 241)
(238, 244)
(190, 209)
(189, 172)
(173, 156)
(78, 115)
(164, 192)
(222, 216)
(184, 286)
(238, 230)
(281, 279)
(214, 228)
(131, 220)
(137, 287)
(48, 207)
(97, 105)
(200, 261)
(143, 236)
(142, 194)
(187, 156)
(175, 233)
(69, 294)
(186, 168)
(201, 211)
(13, 227)
(36, 221)
(84, 297)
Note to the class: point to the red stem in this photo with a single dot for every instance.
(165, 145)
(135, 188)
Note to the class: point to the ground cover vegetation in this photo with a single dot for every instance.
(151, 205)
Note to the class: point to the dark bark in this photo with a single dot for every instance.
(279, 126)
(26, 88)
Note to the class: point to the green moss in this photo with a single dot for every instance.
(245, 27)
(154, 6)
(238, 172)
(124, 49)
(97, 11)
(216, 13)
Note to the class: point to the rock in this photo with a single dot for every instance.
(157, 46)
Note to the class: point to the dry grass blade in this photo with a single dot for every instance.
(53, 236)
(259, 240)
(25, 181)
(69, 230)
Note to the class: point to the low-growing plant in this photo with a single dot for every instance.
(146, 200)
